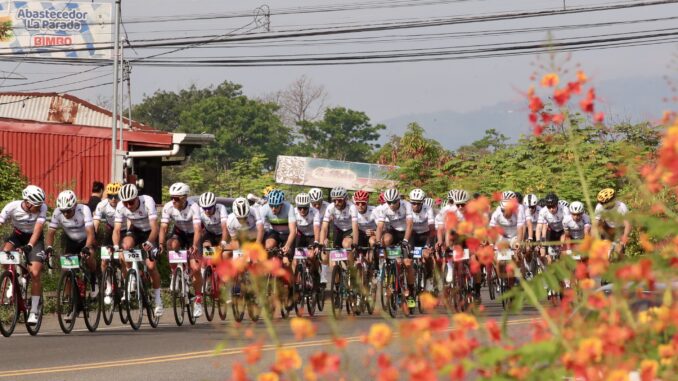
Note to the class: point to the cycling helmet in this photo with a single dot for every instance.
(179, 189)
(381, 200)
(34, 195)
(302, 199)
(530, 200)
(460, 197)
(276, 197)
(519, 196)
(338, 192)
(241, 208)
(128, 192)
(551, 199)
(207, 200)
(508, 195)
(429, 201)
(361, 196)
(417, 195)
(66, 200)
(564, 204)
(606, 195)
(451, 193)
(576, 207)
(391, 195)
(316, 194)
(113, 188)
(503, 204)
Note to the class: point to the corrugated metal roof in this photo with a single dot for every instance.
(58, 108)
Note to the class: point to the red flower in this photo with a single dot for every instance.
(599, 117)
(561, 96)
(323, 363)
(493, 330)
(586, 105)
(536, 104)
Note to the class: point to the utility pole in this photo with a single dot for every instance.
(116, 77)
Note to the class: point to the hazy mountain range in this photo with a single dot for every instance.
(629, 99)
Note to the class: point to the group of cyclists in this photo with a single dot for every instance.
(129, 220)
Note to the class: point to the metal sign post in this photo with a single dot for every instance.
(116, 78)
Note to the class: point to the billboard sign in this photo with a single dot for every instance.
(308, 171)
(56, 29)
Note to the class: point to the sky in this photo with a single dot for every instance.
(383, 91)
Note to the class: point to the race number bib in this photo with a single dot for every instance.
(133, 256)
(69, 261)
(504, 255)
(417, 252)
(10, 258)
(180, 256)
(300, 253)
(338, 255)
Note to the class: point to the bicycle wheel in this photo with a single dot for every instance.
(283, 292)
(107, 310)
(222, 306)
(149, 301)
(491, 281)
(208, 302)
(91, 306)
(335, 290)
(135, 308)
(308, 286)
(190, 297)
(298, 291)
(371, 289)
(238, 301)
(320, 296)
(9, 304)
(420, 286)
(392, 291)
(383, 287)
(119, 296)
(178, 300)
(32, 329)
(67, 298)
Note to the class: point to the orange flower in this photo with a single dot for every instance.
(388, 374)
(339, 342)
(451, 221)
(598, 257)
(648, 370)
(519, 372)
(254, 252)
(597, 301)
(440, 354)
(667, 351)
(587, 284)
(428, 301)
(581, 77)
(550, 80)
(536, 104)
(286, 359)
(587, 105)
(324, 363)
(268, 376)
(493, 330)
(465, 321)
(380, 335)
(302, 328)
(561, 96)
(253, 353)
(599, 117)
(238, 372)
(558, 118)
(590, 349)
(485, 255)
(618, 375)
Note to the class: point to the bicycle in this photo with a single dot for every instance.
(341, 284)
(181, 287)
(243, 296)
(463, 295)
(305, 284)
(112, 275)
(419, 275)
(137, 289)
(278, 289)
(554, 296)
(392, 281)
(13, 304)
(505, 281)
(367, 283)
(211, 286)
(73, 295)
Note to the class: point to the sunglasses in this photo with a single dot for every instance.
(209, 208)
(302, 207)
(67, 211)
(361, 203)
(552, 206)
(128, 203)
(177, 198)
(461, 205)
(113, 197)
(416, 203)
(338, 200)
(392, 202)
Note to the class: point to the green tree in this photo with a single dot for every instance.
(162, 109)
(342, 134)
(12, 181)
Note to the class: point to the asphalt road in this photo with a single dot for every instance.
(205, 351)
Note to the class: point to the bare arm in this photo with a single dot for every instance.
(37, 231)
(115, 237)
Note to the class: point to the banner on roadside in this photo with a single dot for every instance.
(323, 173)
(56, 29)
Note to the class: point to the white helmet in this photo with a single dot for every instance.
(563, 203)
(66, 200)
(503, 204)
(576, 207)
(241, 208)
(128, 192)
(302, 199)
(429, 201)
(34, 195)
(417, 195)
(530, 200)
(391, 195)
(451, 193)
(316, 194)
(207, 200)
(338, 192)
(508, 195)
(252, 197)
(460, 197)
(179, 189)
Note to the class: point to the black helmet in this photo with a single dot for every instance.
(519, 196)
(551, 200)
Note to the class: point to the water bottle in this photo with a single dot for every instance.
(22, 283)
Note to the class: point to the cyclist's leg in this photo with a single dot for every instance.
(271, 239)
(36, 258)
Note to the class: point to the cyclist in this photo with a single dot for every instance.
(344, 220)
(308, 232)
(140, 212)
(550, 223)
(28, 217)
(317, 201)
(401, 221)
(609, 213)
(507, 216)
(185, 214)
(441, 219)
(566, 206)
(577, 224)
(105, 212)
(76, 221)
(366, 216)
(280, 224)
(531, 214)
(423, 231)
(214, 218)
(244, 223)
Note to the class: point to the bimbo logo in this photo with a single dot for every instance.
(52, 40)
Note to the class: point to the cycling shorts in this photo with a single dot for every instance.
(339, 236)
(19, 239)
(212, 238)
(419, 239)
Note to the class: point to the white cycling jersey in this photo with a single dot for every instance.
(604, 215)
(532, 216)
(185, 218)
(343, 218)
(213, 223)
(21, 219)
(323, 209)
(576, 229)
(397, 219)
(440, 218)
(104, 212)
(76, 226)
(140, 218)
(510, 225)
(306, 224)
(423, 219)
(554, 221)
(368, 220)
(253, 219)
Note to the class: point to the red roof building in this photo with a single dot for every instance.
(63, 142)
